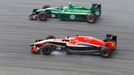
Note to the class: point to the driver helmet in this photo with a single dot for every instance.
(109, 36)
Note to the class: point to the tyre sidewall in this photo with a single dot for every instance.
(47, 49)
(42, 16)
(91, 18)
(105, 53)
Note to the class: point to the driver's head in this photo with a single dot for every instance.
(109, 36)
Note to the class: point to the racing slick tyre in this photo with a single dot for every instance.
(50, 37)
(42, 16)
(45, 6)
(47, 49)
(91, 18)
(105, 53)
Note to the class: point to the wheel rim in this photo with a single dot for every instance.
(47, 50)
(42, 17)
(91, 18)
(105, 53)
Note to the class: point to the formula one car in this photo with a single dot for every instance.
(76, 44)
(69, 12)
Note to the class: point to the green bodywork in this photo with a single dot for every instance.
(72, 11)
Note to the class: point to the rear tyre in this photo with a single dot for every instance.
(105, 53)
(47, 49)
(42, 16)
(91, 18)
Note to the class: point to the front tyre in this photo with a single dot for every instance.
(91, 18)
(42, 16)
(47, 49)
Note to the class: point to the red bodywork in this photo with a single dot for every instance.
(76, 41)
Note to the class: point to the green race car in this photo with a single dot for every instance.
(73, 12)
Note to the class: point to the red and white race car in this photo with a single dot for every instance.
(76, 44)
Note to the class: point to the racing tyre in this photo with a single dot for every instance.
(91, 18)
(42, 16)
(47, 49)
(50, 37)
(105, 53)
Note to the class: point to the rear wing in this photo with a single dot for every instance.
(114, 38)
(96, 9)
(95, 5)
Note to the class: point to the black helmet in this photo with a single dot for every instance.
(108, 35)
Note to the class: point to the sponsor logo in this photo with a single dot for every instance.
(72, 17)
(97, 12)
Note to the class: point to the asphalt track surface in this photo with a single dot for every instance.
(17, 32)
